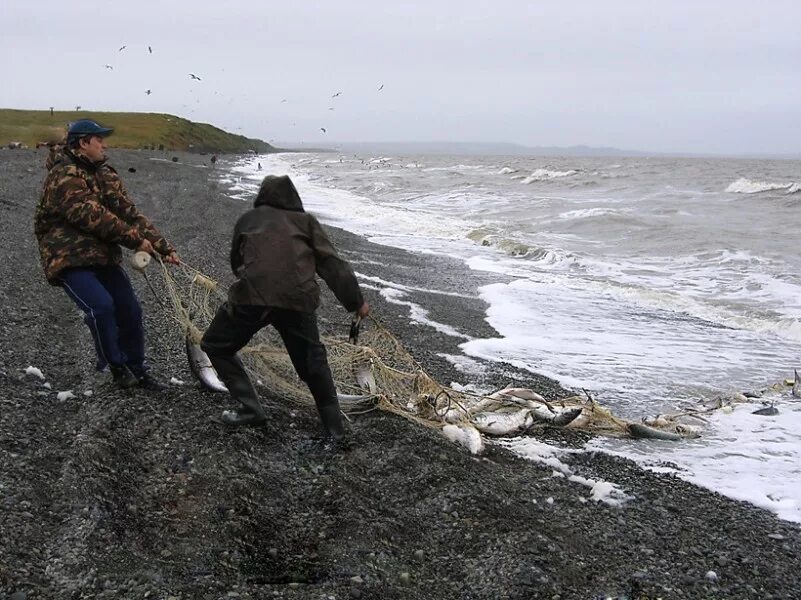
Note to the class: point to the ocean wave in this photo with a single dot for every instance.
(517, 249)
(507, 171)
(587, 213)
(747, 186)
(547, 175)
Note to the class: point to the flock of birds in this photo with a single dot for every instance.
(195, 77)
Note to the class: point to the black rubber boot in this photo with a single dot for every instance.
(332, 421)
(242, 417)
(235, 378)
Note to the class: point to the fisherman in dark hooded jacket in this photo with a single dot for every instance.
(277, 249)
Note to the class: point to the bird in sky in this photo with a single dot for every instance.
(284, 100)
(149, 49)
(148, 92)
(322, 129)
(193, 76)
(381, 88)
(337, 94)
(122, 48)
(109, 67)
(330, 108)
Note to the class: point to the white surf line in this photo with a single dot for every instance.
(545, 454)
(406, 288)
(416, 312)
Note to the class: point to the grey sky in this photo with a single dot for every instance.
(681, 75)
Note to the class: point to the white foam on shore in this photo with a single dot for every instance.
(545, 454)
(748, 457)
(419, 314)
(408, 288)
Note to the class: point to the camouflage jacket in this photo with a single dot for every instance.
(84, 215)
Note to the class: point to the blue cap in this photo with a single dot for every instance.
(85, 127)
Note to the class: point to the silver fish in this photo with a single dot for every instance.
(202, 369)
(558, 419)
(365, 379)
(640, 431)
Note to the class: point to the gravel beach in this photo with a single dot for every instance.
(112, 494)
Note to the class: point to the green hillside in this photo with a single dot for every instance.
(131, 130)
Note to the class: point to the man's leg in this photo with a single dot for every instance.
(233, 327)
(302, 340)
(89, 294)
(128, 313)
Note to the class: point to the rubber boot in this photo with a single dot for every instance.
(332, 421)
(235, 378)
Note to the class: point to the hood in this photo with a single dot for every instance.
(64, 155)
(55, 156)
(278, 191)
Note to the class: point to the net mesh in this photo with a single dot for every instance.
(378, 372)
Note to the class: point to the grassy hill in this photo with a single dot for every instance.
(131, 130)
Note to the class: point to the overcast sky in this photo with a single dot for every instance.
(720, 76)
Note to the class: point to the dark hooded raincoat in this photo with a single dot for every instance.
(278, 248)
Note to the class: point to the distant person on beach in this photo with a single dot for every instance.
(213, 159)
(83, 217)
(276, 251)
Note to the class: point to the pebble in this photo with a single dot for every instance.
(405, 578)
(711, 576)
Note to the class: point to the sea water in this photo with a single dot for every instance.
(656, 284)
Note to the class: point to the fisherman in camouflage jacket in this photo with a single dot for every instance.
(83, 217)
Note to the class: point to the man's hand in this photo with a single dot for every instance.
(172, 258)
(364, 310)
(146, 246)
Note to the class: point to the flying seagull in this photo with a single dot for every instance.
(193, 76)
(109, 67)
(149, 49)
(330, 108)
(322, 129)
(122, 48)
(148, 92)
(381, 88)
(284, 100)
(337, 94)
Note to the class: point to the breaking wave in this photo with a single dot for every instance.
(747, 186)
(547, 174)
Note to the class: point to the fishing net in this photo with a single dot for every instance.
(376, 372)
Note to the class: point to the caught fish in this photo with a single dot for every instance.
(202, 369)
(558, 419)
(365, 379)
(644, 432)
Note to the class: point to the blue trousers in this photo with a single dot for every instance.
(112, 313)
